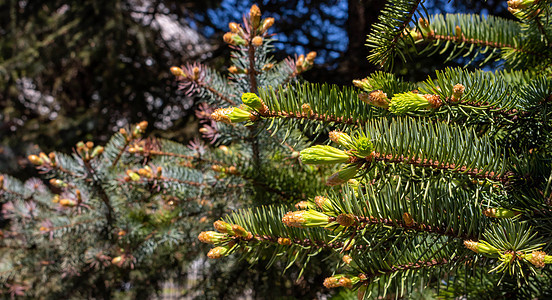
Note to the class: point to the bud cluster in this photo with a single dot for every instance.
(253, 31)
(361, 151)
(226, 235)
(87, 150)
(145, 172)
(43, 160)
(304, 63)
(136, 133)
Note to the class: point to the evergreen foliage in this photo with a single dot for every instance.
(440, 187)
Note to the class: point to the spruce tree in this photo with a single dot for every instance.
(397, 189)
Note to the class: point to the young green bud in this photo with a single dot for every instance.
(232, 115)
(233, 39)
(305, 219)
(133, 175)
(413, 33)
(501, 213)
(341, 138)
(363, 146)
(223, 227)
(98, 150)
(239, 231)
(375, 98)
(363, 84)
(410, 102)
(481, 247)
(343, 175)
(323, 154)
(253, 101)
(538, 258)
(324, 203)
(218, 252)
(212, 237)
(303, 205)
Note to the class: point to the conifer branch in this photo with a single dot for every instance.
(420, 227)
(217, 93)
(504, 178)
(367, 277)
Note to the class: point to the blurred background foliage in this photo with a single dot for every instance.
(78, 70)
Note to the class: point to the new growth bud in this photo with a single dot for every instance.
(343, 175)
(305, 219)
(457, 93)
(267, 23)
(239, 231)
(324, 203)
(67, 202)
(323, 154)
(346, 220)
(218, 252)
(176, 71)
(363, 146)
(340, 280)
(284, 241)
(375, 98)
(363, 84)
(347, 259)
(232, 115)
(306, 109)
(253, 101)
(411, 102)
(35, 160)
(408, 220)
(501, 213)
(255, 16)
(223, 227)
(304, 205)
(233, 39)
(234, 27)
(212, 237)
(481, 247)
(257, 41)
(341, 138)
